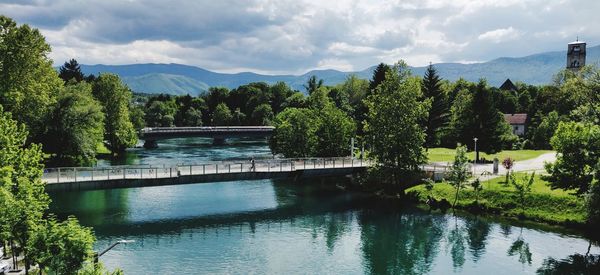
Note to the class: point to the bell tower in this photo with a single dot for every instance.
(576, 55)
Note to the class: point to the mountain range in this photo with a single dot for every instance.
(180, 79)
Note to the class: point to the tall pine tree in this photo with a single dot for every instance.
(438, 116)
(378, 76)
(71, 71)
(474, 115)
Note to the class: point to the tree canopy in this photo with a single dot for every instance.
(393, 127)
(75, 126)
(71, 71)
(114, 96)
(28, 83)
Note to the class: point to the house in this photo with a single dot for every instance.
(508, 86)
(518, 123)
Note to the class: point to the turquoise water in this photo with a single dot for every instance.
(286, 227)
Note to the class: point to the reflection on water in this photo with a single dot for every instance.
(573, 264)
(303, 227)
(306, 227)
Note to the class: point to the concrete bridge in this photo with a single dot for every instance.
(218, 133)
(90, 178)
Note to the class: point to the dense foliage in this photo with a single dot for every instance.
(393, 127)
(114, 96)
(75, 125)
(61, 247)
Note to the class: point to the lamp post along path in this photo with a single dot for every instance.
(476, 155)
(97, 255)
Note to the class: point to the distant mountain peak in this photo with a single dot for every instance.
(176, 78)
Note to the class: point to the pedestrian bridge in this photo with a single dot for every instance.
(217, 133)
(90, 178)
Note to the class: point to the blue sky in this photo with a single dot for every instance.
(282, 36)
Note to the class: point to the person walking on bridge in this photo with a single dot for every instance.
(253, 165)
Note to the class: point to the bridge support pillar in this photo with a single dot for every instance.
(219, 141)
(150, 144)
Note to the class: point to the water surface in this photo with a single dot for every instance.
(308, 227)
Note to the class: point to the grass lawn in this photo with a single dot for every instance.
(447, 155)
(542, 204)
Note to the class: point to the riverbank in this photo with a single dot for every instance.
(555, 207)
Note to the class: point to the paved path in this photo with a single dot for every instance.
(528, 165)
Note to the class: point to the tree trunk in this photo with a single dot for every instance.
(14, 255)
(455, 198)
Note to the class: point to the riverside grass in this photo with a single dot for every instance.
(447, 155)
(541, 205)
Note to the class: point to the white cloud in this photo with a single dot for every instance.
(336, 64)
(292, 36)
(500, 35)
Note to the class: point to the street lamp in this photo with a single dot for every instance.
(475, 159)
(97, 255)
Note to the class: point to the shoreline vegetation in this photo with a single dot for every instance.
(542, 205)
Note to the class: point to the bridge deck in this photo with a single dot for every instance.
(82, 174)
(131, 176)
(155, 133)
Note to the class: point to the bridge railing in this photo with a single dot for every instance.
(206, 129)
(81, 174)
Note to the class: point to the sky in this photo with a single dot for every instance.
(292, 37)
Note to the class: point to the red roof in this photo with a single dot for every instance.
(516, 118)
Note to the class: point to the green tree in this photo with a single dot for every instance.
(475, 115)
(189, 111)
(21, 186)
(578, 152)
(319, 99)
(459, 173)
(379, 75)
(137, 115)
(262, 115)
(296, 100)
(313, 84)
(61, 247)
(75, 126)
(392, 127)
(161, 113)
(28, 82)
(348, 96)
(71, 71)
(545, 130)
(295, 133)
(334, 133)
(280, 91)
(76, 246)
(523, 188)
(439, 113)
(237, 118)
(222, 115)
(114, 96)
(192, 117)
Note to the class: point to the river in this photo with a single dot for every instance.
(309, 227)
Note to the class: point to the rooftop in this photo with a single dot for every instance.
(515, 118)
